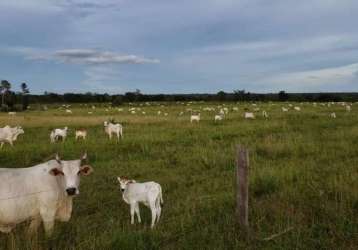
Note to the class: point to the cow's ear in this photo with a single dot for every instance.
(119, 179)
(85, 170)
(55, 172)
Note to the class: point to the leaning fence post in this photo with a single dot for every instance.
(242, 187)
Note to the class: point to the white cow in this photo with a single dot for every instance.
(42, 193)
(249, 115)
(333, 115)
(81, 133)
(284, 109)
(148, 193)
(195, 118)
(297, 108)
(8, 134)
(111, 128)
(58, 133)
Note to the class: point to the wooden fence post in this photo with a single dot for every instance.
(242, 187)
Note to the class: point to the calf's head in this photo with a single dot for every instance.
(123, 182)
(70, 172)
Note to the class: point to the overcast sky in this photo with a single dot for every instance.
(180, 46)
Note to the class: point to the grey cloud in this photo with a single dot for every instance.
(91, 56)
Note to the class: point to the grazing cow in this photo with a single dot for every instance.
(12, 113)
(111, 128)
(81, 133)
(148, 193)
(195, 118)
(284, 109)
(249, 115)
(218, 117)
(68, 111)
(332, 115)
(42, 193)
(8, 134)
(58, 133)
(297, 108)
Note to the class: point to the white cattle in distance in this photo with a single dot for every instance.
(81, 133)
(148, 193)
(218, 118)
(195, 118)
(332, 115)
(249, 115)
(58, 134)
(42, 193)
(265, 114)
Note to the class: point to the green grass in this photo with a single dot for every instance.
(303, 174)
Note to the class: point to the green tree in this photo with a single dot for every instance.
(5, 87)
(282, 96)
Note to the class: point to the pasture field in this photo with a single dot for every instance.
(303, 174)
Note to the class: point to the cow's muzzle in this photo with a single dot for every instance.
(71, 191)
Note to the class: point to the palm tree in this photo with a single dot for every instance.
(5, 87)
(25, 99)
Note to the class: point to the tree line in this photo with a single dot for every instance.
(17, 101)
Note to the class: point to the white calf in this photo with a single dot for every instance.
(111, 128)
(42, 193)
(195, 118)
(148, 193)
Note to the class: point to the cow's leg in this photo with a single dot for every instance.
(2, 144)
(159, 209)
(35, 223)
(117, 136)
(137, 212)
(132, 207)
(154, 212)
(110, 136)
(11, 143)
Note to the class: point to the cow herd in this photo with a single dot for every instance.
(44, 193)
